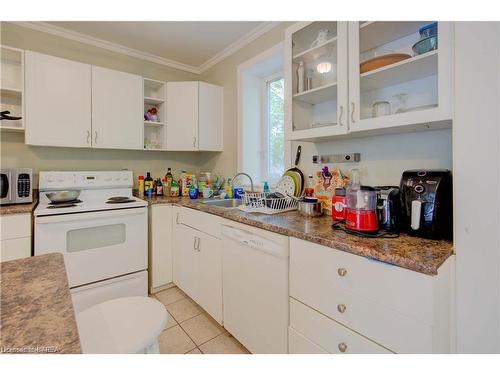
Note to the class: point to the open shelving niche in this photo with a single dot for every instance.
(154, 131)
(12, 87)
(314, 111)
(417, 77)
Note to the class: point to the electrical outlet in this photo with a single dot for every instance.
(337, 158)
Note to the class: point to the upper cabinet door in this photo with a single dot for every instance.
(411, 91)
(210, 117)
(316, 86)
(182, 116)
(58, 101)
(117, 106)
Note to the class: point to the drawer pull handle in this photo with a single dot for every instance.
(342, 272)
(341, 308)
(343, 347)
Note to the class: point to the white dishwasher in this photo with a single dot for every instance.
(255, 287)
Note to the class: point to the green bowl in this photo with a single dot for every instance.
(425, 45)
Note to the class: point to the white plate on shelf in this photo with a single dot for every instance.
(286, 186)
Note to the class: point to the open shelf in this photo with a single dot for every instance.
(11, 87)
(417, 67)
(319, 94)
(318, 50)
(314, 134)
(153, 101)
(377, 33)
(153, 123)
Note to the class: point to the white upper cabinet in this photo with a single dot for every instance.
(194, 116)
(411, 94)
(336, 88)
(316, 76)
(58, 101)
(117, 105)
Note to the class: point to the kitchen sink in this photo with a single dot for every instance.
(226, 203)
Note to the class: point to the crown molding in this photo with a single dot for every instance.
(119, 48)
(114, 47)
(238, 44)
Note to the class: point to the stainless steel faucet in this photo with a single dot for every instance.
(245, 174)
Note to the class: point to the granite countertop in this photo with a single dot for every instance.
(21, 208)
(414, 253)
(37, 313)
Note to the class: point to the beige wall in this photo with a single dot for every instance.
(14, 153)
(225, 74)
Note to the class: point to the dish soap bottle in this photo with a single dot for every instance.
(265, 189)
(229, 188)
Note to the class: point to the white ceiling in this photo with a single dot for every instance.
(189, 43)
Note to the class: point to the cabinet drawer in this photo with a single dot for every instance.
(15, 226)
(299, 344)
(328, 334)
(317, 271)
(206, 223)
(16, 248)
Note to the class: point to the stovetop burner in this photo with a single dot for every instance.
(117, 201)
(65, 204)
(62, 205)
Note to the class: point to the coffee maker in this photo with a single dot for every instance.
(427, 203)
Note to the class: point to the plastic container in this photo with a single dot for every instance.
(428, 30)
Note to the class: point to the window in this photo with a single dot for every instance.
(273, 156)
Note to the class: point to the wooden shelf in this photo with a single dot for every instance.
(153, 123)
(315, 134)
(319, 94)
(417, 67)
(154, 101)
(318, 50)
(377, 33)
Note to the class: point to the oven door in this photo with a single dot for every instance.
(96, 245)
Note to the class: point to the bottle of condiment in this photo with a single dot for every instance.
(140, 186)
(159, 188)
(174, 189)
(309, 190)
(148, 185)
(169, 177)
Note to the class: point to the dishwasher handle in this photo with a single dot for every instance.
(255, 241)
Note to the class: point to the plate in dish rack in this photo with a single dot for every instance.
(286, 186)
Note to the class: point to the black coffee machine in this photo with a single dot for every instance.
(427, 203)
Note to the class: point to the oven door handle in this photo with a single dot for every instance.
(90, 215)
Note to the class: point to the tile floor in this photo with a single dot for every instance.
(190, 330)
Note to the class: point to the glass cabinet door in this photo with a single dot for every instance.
(317, 78)
(398, 73)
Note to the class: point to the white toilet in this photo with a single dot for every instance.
(122, 326)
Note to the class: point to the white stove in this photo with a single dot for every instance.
(103, 235)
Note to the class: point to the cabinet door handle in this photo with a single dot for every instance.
(194, 142)
(341, 115)
(341, 308)
(343, 347)
(342, 272)
(353, 106)
(194, 243)
(95, 136)
(88, 136)
(198, 249)
(177, 218)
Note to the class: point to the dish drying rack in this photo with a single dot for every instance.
(262, 203)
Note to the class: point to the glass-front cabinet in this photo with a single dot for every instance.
(316, 79)
(367, 78)
(399, 75)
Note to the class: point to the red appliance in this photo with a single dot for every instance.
(338, 204)
(361, 210)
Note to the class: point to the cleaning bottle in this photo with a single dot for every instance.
(265, 189)
(140, 186)
(229, 188)
(148, 185)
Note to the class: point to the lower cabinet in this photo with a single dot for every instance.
(15, 237)
(197, 267)
(321, 333)
(160, 246)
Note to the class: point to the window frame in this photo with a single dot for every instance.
(265, 123)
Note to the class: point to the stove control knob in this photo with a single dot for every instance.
(419, 189)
